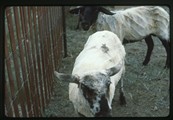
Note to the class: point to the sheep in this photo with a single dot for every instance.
(131, 25)
(96, 72)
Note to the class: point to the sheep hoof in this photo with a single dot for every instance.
(145, 63)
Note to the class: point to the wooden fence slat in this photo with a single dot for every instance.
(41, 27)
(56, 39)
(12, 87)
(53, 37)
(38, 56)
(64, 32)
(47, 39)
(59, 36)
(8, 101)
(44, 51)
(50, 52)
(45, 58)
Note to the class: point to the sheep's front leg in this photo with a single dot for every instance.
(122, 97)
(150, 45)
(79, 20)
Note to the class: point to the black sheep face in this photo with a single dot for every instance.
(88, 15)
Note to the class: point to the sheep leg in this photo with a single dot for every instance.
(166, 45)
(79, 19)
(150, 45)
(122, 97)
(77, 27)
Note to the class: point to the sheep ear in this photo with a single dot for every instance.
(66, 77)
(114, 70)
(75, 10)
(104, 10)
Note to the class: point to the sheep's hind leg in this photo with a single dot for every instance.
(150, 45)
(166, 45)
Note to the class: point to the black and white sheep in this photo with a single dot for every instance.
(130, 25)
(96, 72)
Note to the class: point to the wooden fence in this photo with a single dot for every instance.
(34, 45)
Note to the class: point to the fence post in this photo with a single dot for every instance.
(64, 32)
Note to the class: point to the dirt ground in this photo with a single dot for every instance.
(146, 87)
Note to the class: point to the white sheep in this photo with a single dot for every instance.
(139, 23)
(96, 72)
(130, 25)
(136, 23)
